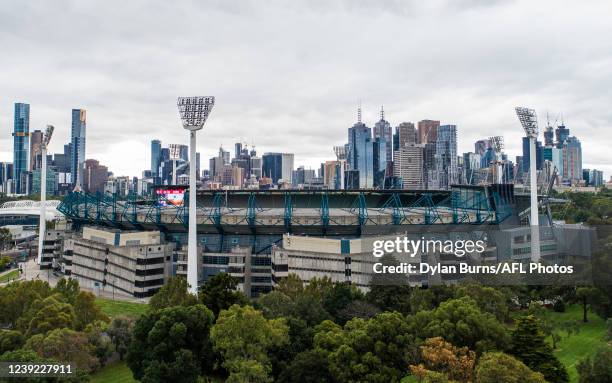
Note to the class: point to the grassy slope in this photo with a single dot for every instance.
(114, 373)
(579, 346)
(115, 308)
(13, 274)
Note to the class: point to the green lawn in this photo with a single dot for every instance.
(115, 308)
(114, 373)
(13, 274)
(578, 346)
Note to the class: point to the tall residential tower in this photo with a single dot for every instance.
(21, 143)
(78, 145)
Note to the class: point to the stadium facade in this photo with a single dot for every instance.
(260, 236)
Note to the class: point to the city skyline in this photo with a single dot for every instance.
(295, 84)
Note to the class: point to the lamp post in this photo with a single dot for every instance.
(193, 112)
(529, 120)
(43, 191)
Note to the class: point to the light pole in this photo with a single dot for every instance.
(193, 112)
(529, 120)
(43, 190)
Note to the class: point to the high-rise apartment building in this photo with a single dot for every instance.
(572, 160)
(36, 138)
(334, 173)
(77, 135)
(21, 143)
(406, 134)
(446, 156)
(408, 165)
(287, 172)
(94, 176)
(427, 131)
(155, 157)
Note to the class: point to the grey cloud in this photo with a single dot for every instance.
(289, 74)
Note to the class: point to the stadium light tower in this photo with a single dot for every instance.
(193, 112)
(42, 225)
(529, 120)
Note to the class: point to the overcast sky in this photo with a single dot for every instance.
(288, 75)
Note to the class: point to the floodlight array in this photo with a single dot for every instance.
(194, 111)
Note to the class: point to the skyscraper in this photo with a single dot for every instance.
(78, 145)
(408, 165)
(549, 136)
(155, 157)
(446, 156)
(572, 160)
(360, 152)
(287, 169)
(35, 149)
(21, 143)
(382, 129)
(272, 166)
(427, 131)
(380, 150)
(94, 176)
(406, 134)
(527, 160)
(481, 146)
(561, 133)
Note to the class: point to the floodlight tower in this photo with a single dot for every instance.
(193, 112)
(529, 120)
(42, 225)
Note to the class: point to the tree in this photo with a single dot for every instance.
(338, 297)
(488, 299)
(587, 296)
(597, 369)
(65, 345)
(461, 323)
(243, 335)
(357, 309)
(219, 293)
(120, 332)
(497, 367)
(292, 286)
(373, 350)
(46, 315)
(307, 367)
(4, 262)
(18, 297)
(456, 363)
(6, 239)
(68, 288)
(99, 339)
(528, 345)
(10, 340)
(390, 298)
(175, 292)
(172, 344)
(86, 310)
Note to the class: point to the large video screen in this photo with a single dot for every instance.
(171, 196)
